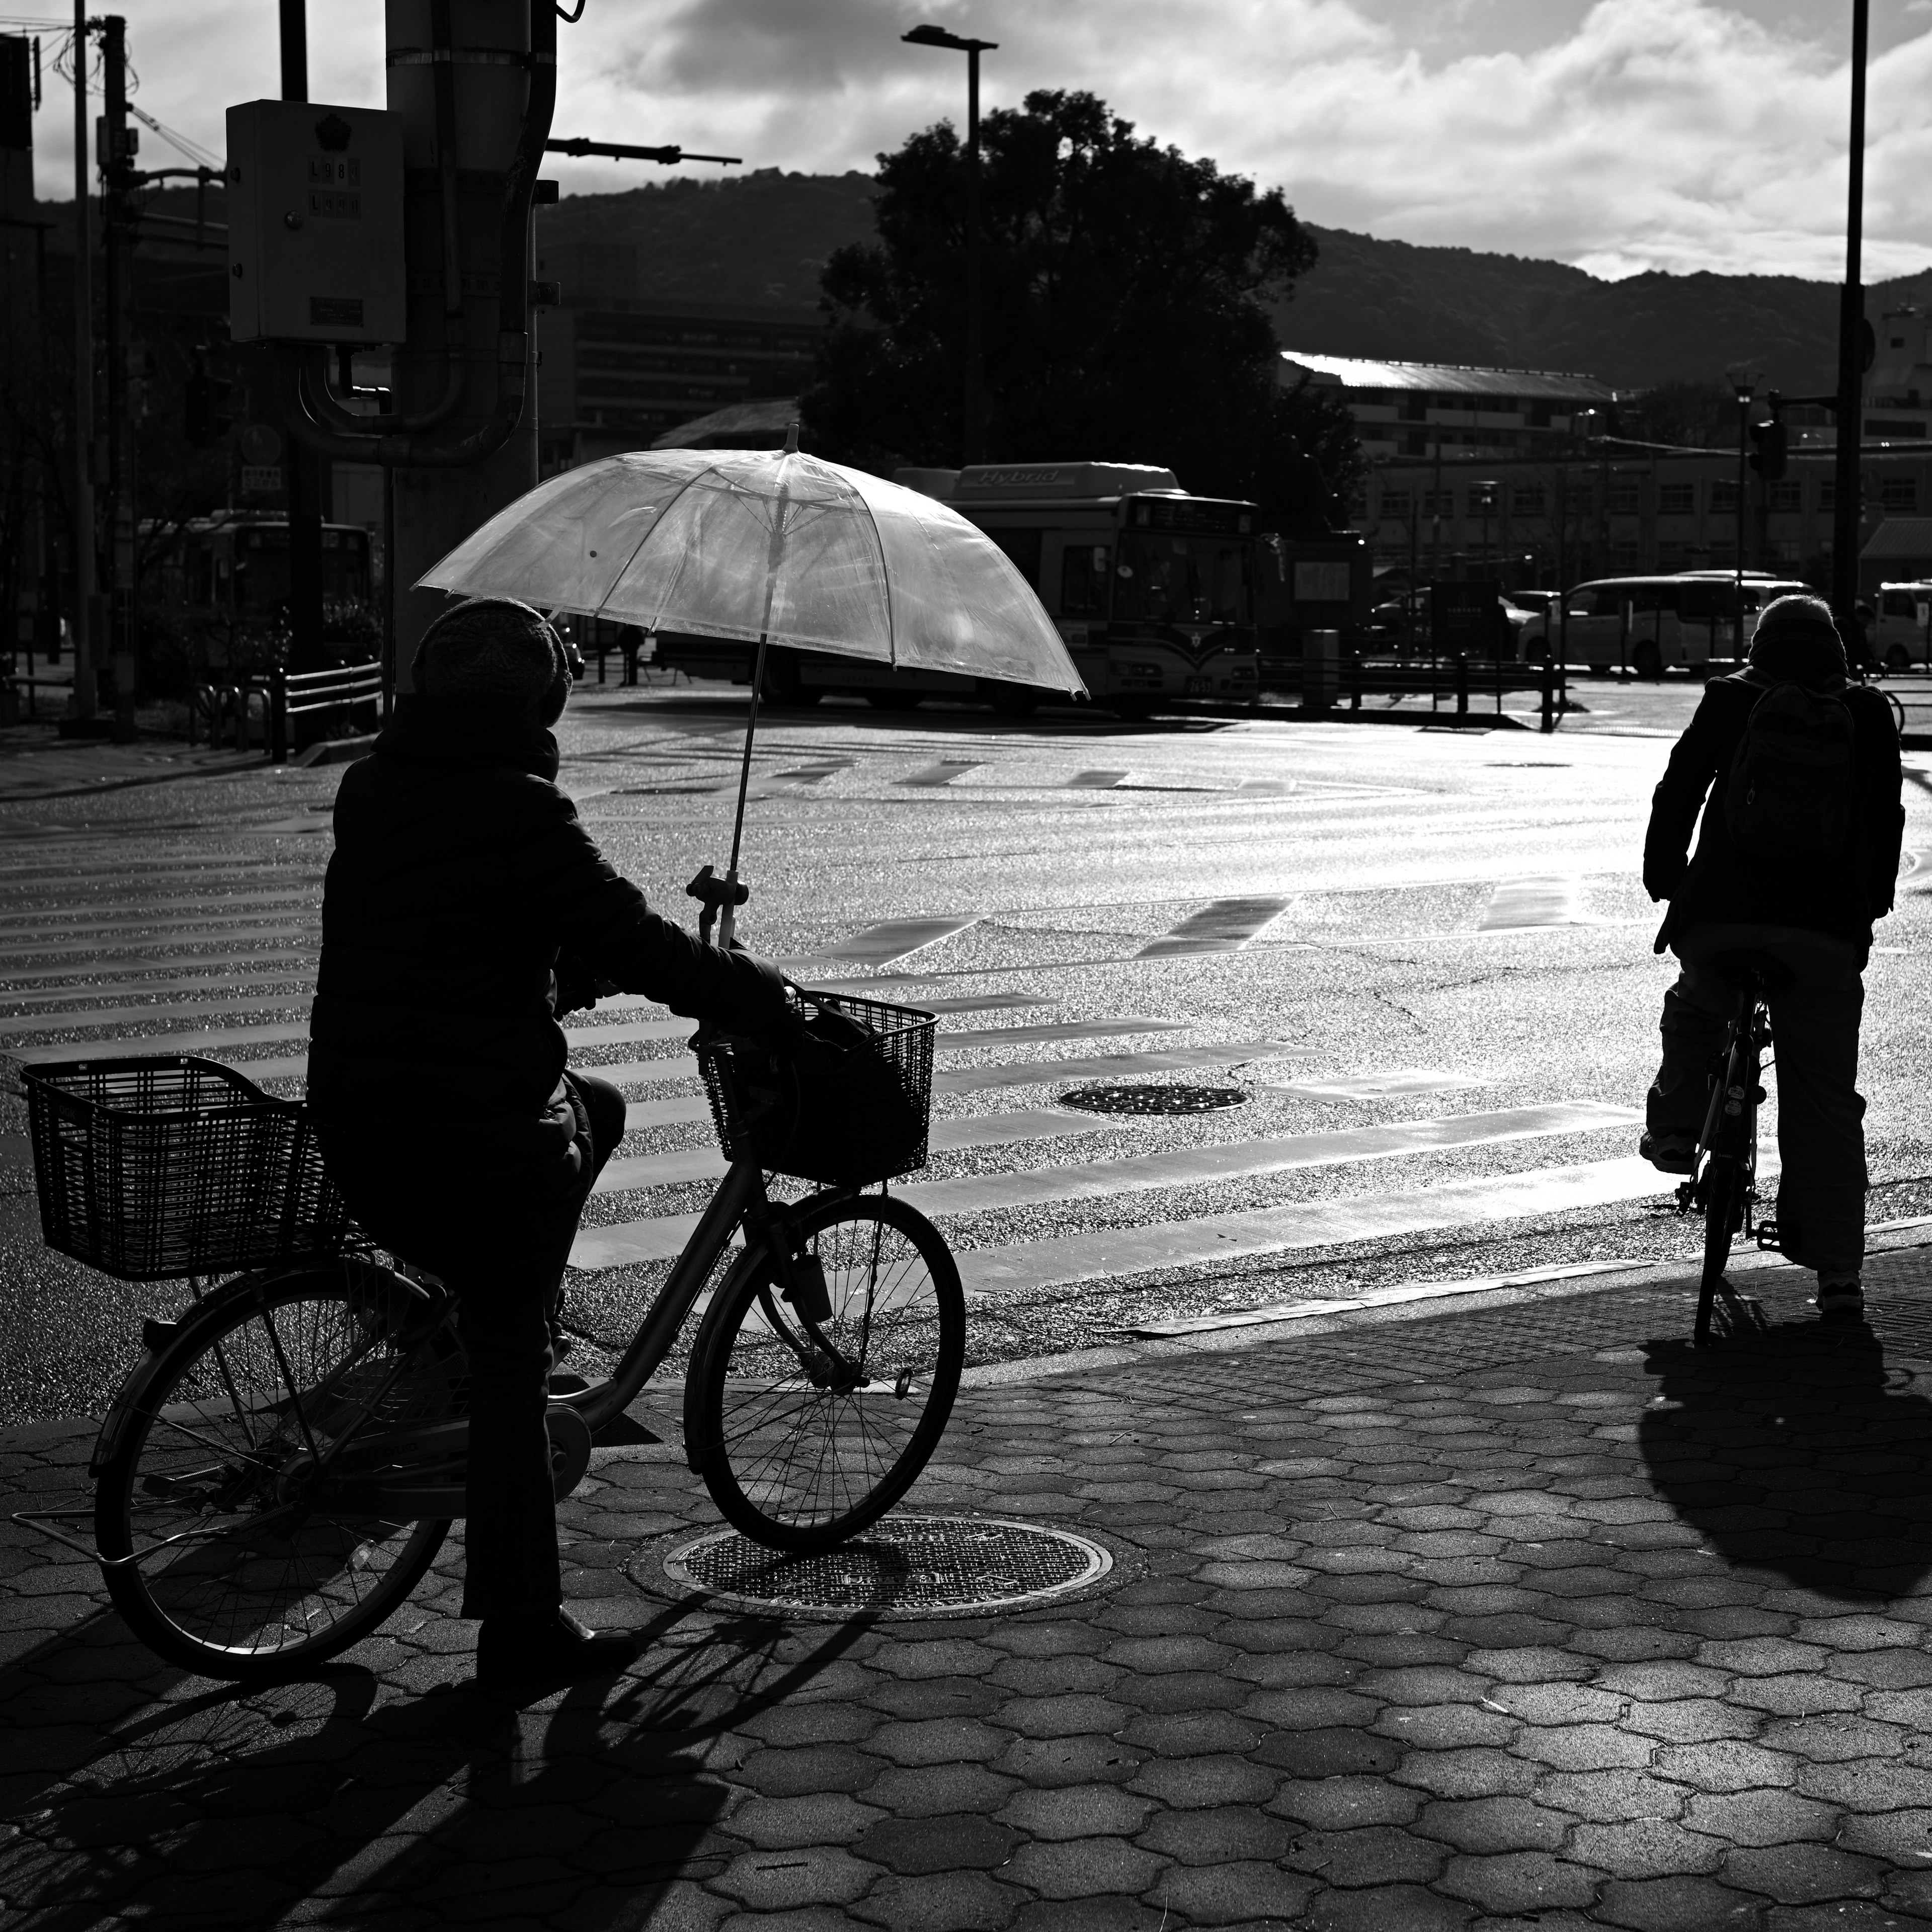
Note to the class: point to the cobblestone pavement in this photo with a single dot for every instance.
(1523, 1617)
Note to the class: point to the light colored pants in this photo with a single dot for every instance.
(1814, 1027)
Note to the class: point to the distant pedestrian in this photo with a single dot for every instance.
(1796, 771)
(466, 911)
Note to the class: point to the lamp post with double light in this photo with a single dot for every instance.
(973, 443)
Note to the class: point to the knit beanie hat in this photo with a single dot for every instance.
(1798, 630)
(491, 651)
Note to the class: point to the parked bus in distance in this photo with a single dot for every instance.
(1902, 634)
(1152, 589)
(240, 565)
(1653, 624)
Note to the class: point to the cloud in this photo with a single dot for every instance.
(1678, 134)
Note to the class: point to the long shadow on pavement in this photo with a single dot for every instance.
(1799, 1450)
(351, 1801)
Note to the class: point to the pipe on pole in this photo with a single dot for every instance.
(305, 468)
(1846, 517)
(85, 537)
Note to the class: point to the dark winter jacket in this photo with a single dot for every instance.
(460, 873)
(1841, 893)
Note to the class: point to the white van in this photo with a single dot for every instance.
(1902, 633)
(1654, 623)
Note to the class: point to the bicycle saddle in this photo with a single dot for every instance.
(1750, 969)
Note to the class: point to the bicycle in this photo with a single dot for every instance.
(1723, 1184)
(279, 1470)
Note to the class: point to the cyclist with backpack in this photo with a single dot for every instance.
(1796, 771)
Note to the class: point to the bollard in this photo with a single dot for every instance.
(278, 718)
(1355, 683)
(1319, 651)
(1461, 684)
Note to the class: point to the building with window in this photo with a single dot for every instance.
(1422, 409)
(616, 370)
(1600, 511)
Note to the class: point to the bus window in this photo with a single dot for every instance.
(1168, 579)
(1083, 580)
(1023, 546)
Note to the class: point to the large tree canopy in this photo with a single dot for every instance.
(1125, 290)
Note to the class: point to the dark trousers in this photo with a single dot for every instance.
(498, 1232)
(1814, 1027)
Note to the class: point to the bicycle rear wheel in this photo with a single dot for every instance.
(806, 1431)
(227, 1570)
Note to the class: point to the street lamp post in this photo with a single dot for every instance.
(1851, 356)
(1485, 493)
(973, 443)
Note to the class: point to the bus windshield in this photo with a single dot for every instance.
(1165, 579)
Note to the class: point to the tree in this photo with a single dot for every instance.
(1693, 413)
(1125, 318)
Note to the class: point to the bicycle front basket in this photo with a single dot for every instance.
(845, 1112)
(155, 1167)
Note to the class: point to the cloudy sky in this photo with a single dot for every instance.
(1617, 134)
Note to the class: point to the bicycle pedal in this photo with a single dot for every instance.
(1769, 1235)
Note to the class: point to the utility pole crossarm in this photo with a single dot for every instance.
(623, 151)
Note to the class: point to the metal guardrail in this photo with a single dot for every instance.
(308, 694)
(12, 682)
(1452, 680)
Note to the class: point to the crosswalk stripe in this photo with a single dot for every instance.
(1060, 1261)
(893, 939)
(972, 1130)
(1024, 1072)
(654, 1239)
(279, 992)
(1097, 781)
(169, 911)
(941, 773)
(1374, 1086)
(147, 940)
(1093, 1029)
(1518, 903)
(1224, 926)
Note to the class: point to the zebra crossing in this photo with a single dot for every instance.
(102, 956)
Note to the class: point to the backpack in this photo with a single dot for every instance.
(1789, 791)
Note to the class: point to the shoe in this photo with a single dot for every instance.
(1669, 1154)
(554, 1649)
(1840, 1301)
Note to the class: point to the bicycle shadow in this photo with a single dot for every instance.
(375, 1804)
(1796, 1449)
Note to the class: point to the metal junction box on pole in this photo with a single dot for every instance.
(315, 200)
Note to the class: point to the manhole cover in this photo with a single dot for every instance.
(907, 1566)
(1145, 1097)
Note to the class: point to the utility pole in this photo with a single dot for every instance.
(85, 614)
(117, 167)
(304, 474)
(1846, 518)
(1744, 388)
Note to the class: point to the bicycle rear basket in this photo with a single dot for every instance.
(844, 1104)
(155, 1167)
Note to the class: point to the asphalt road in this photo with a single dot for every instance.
(1419, 958)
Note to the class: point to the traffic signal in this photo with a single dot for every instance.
(1770, 458)
(206, 414)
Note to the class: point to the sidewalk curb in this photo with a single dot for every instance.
(1228, 1341)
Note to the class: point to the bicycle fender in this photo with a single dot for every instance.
(695, 1451)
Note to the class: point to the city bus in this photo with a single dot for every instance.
(1653, 624)
(1153, 589)
(240, 565)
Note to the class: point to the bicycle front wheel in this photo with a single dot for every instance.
(226, 1565)
(808, 1425)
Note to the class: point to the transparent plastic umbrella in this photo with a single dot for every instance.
(774, 547)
